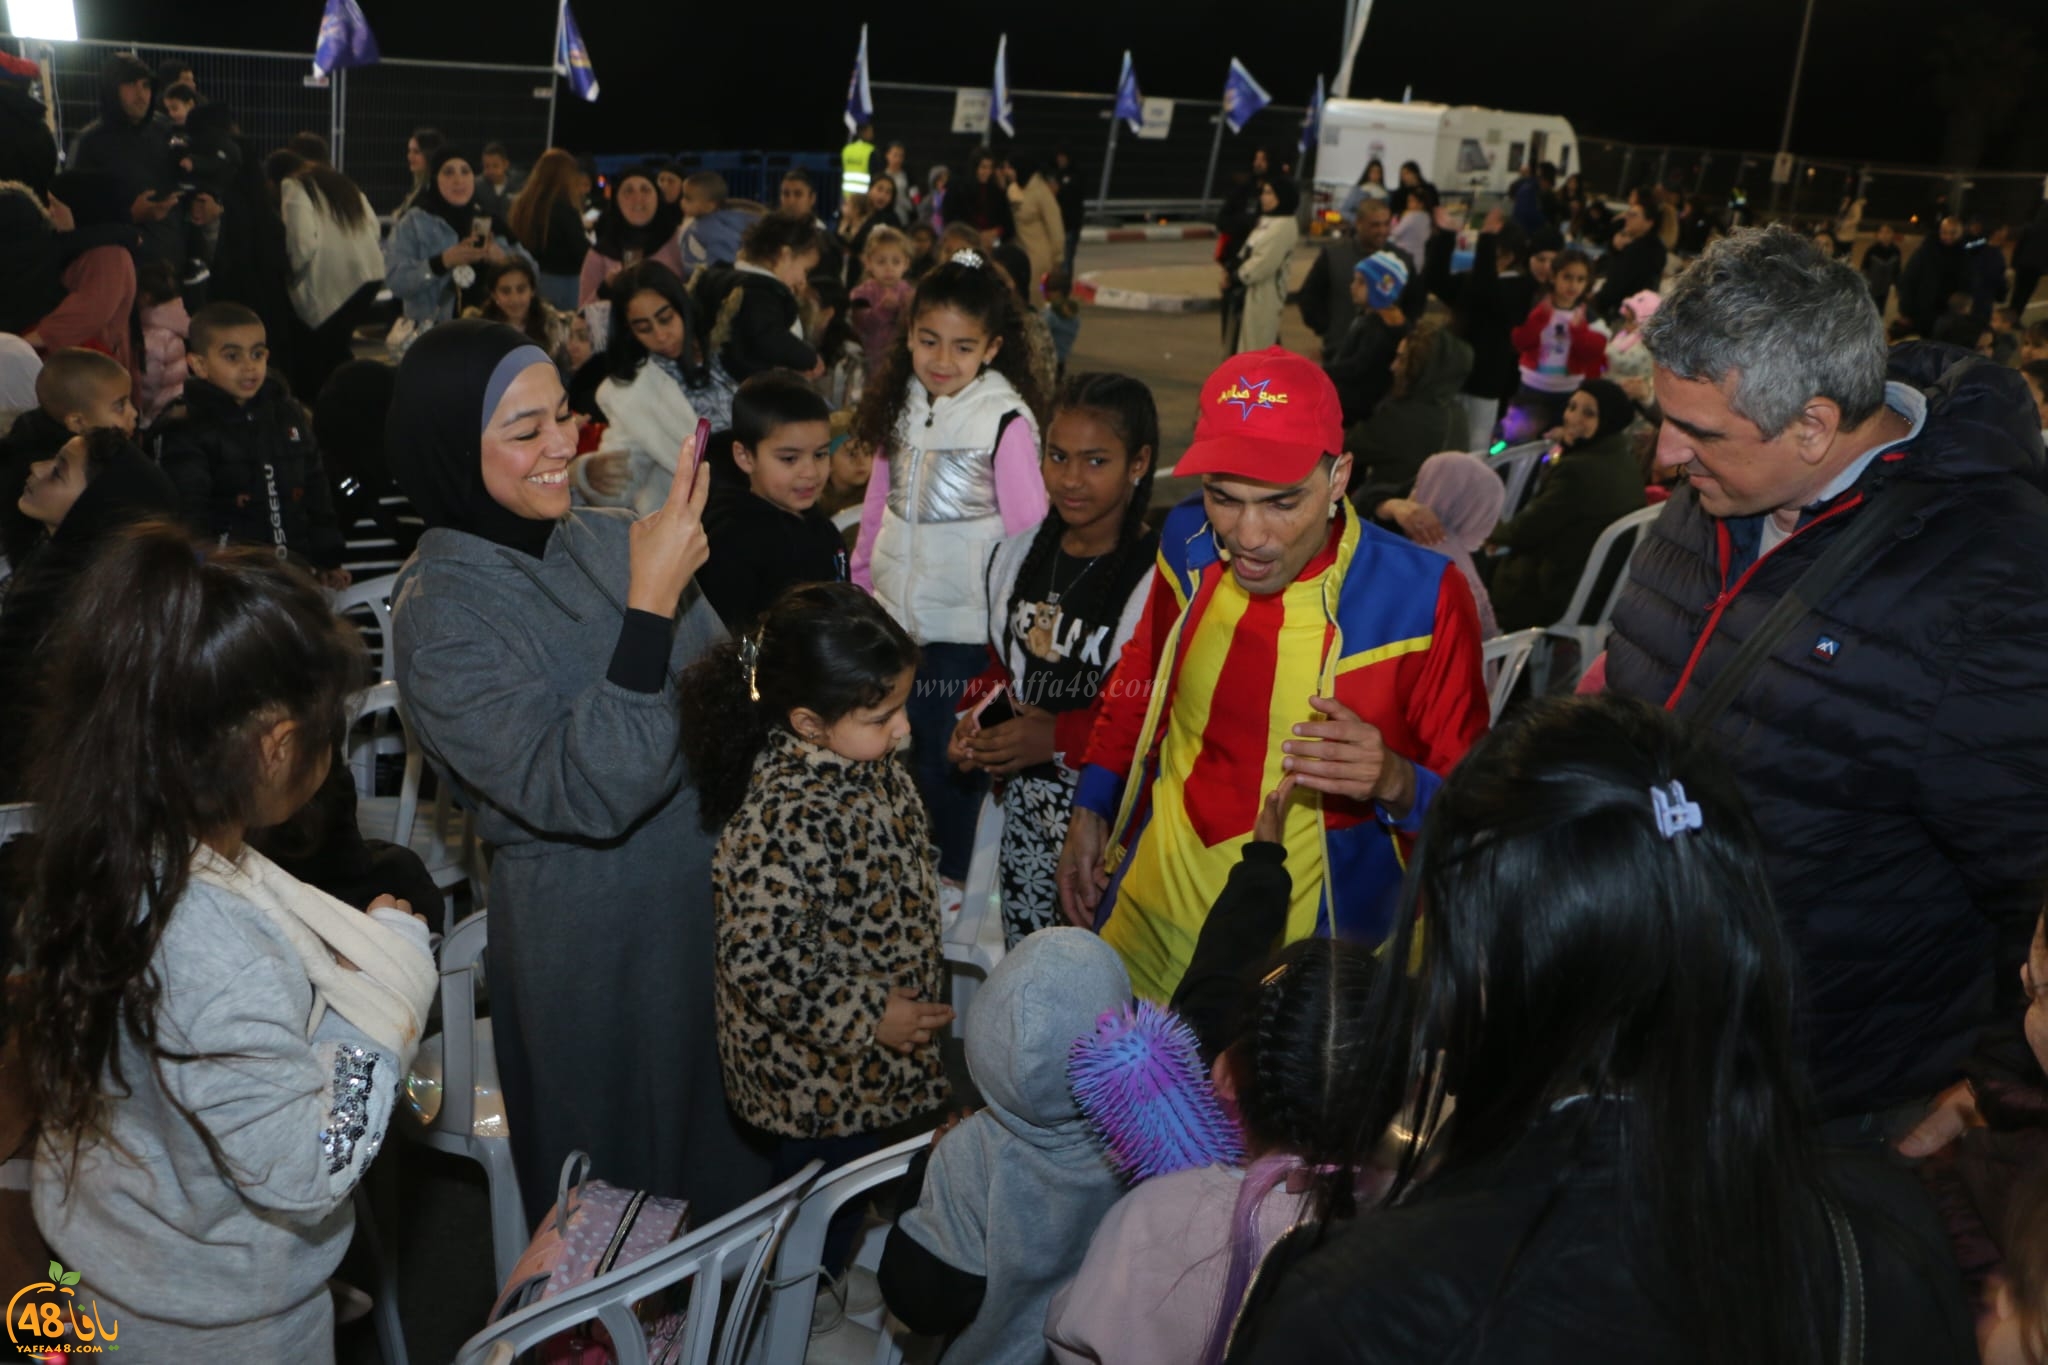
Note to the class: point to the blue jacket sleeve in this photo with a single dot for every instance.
(1099, 790)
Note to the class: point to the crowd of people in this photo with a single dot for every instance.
(755, 563)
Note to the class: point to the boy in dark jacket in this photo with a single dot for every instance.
(770, 535)
(241, 449)
(1362, 366)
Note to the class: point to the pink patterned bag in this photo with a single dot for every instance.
(594, 1228)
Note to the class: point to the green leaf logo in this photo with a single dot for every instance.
(70, 1279)
(61, 1276)
(56, 1270)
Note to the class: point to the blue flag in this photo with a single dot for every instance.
(1242, 96)
(1312, 121)
(860, 100)
(345, 39)
(1130, 105)
(572, 59)
(1003, 112)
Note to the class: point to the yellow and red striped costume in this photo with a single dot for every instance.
(1212, 682)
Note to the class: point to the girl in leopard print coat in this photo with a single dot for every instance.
(829, 965)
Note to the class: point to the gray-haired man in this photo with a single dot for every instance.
(1894, 744)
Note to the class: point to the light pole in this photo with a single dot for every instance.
(1791, 105)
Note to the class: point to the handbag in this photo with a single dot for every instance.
(593, 1229)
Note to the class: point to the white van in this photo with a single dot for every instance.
(1467, 152)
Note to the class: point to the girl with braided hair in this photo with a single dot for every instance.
(1295, 1049)
(1063, 597)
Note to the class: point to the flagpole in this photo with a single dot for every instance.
(337, 106)
(1108, 160)
(1109, 152)
(555, 72)
(1215, 151)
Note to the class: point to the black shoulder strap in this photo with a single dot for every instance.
(1888, 510)
(1850, 1333)
(1002, 429)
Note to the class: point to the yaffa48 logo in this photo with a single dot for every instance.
(48, 1316)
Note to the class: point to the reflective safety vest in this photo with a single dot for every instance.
(854, 158)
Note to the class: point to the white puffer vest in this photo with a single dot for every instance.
(941, 518)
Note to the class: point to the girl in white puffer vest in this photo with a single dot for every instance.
(953, 415)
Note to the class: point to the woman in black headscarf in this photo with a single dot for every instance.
(91, 488)
(536, 647)
(637, 225)
(1591, 482)
(1260, 266)
(438, 254)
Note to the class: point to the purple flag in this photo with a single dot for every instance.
(345, 39)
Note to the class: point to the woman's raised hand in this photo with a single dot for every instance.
(668, 544)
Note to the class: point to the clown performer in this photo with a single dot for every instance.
(1286, 644)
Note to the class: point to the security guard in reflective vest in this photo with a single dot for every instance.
(855, 160)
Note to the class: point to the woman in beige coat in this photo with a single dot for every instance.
(1261, 265)
(1041, 229)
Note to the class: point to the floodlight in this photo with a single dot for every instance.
(50, 20)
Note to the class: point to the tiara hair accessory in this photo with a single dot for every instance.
(750, 664)
(968, 257)
(1675, 815)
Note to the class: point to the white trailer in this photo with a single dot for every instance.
(1467, 152)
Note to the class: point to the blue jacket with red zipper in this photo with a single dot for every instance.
(1894, 746)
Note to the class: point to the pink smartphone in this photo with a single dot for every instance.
(703, 440)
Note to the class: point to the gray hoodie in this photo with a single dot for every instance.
(1015, 1192)
(190, 1264)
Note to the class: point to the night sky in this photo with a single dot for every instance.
(773, 75)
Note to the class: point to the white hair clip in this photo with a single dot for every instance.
(1675, 815)
(968, 257)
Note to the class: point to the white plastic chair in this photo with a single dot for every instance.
(454, 1125)
(734, 1250)
(442, 844)
(1511, 652)
(793, 1287)
(371, 599)
(1585, 622)
(1517, 467)
(973, 943)
(454, 1128)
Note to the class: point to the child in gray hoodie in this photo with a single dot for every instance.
(1011, 1197)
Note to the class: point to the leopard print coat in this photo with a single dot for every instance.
(827, 896)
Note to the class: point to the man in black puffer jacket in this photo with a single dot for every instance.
(133, 143)
(1894, 746)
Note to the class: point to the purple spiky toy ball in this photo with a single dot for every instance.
(1140, 1082)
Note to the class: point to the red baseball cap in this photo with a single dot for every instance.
(1268, 416)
